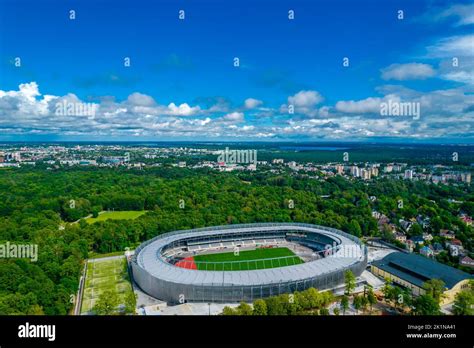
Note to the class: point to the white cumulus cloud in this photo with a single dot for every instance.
(368, 105)
(252, 103)
(182, 110)
(408, 71)
(305, 99)
(233, 117)
(464, 13)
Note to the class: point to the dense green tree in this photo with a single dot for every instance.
(324, 311)
(371, 298)
(426, 305)
(275, 306)
(357, 302)
(464, 301)
(388, 291)
(303, 302)
(354, 228)
(415, 230)
(106, 303)
(244, 309)
(350, 281)
(435, 287)
(344, 304)
(259, 307)
(36, 207)
(229, 311)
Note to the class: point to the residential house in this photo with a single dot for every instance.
(447, 234)
(417, 240)
(437, 248)
(423, 221)
(400, 236)
(406, 225)
(427, 237)
(466, 219)
(427, 251)
(454, 250)
(466, 261)
(410, 245)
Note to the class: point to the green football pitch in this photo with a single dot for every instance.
(116, 215)
(102, 275)
(247, 260)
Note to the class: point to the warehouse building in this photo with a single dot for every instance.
(411, 271)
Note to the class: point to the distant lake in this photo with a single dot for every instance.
(311, 148)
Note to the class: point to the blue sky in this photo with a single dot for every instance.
(182, 83)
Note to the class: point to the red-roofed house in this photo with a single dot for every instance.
(466, 261)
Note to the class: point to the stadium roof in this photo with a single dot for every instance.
(417, 269)
(149, 258)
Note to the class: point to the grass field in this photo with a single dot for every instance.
(247, 260)
(103, 275)
(116, 215)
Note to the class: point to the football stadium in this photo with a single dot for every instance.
(233, 263)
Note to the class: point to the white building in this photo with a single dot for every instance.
(355, 171)
(339, 169)
(466, 177)
(252, 167)
(365, 174)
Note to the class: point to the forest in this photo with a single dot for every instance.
(35, 208)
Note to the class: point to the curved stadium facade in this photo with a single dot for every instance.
(157, 274)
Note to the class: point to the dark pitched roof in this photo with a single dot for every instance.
(417, 269)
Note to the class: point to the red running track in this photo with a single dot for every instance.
(187, 262)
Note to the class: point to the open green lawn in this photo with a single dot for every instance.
(103, 275)
(248, 260)
(116, 215)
